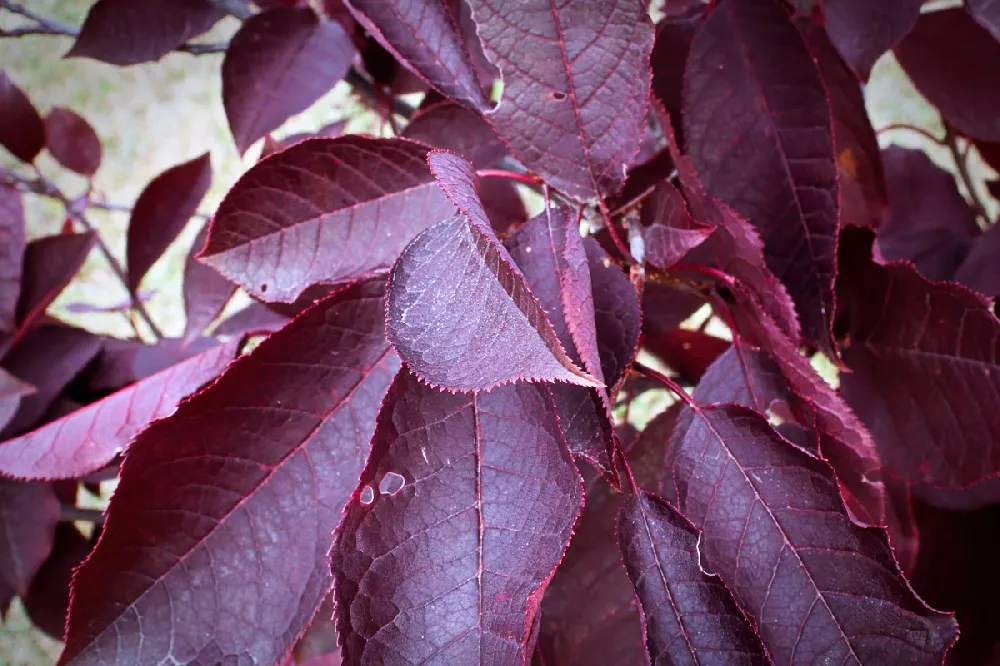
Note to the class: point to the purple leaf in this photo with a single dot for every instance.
(162, 211)
(48, 599)
(688, 353)
(664, 307)
(744, 376)
(453, 127)
(92, 436)
(22, 130)
(503, 204)
(979, 270)
(773, 159)
(254, 319)
(576, 87)
(925, 375)
(206, 292)
(324, 210)
(669, 60)
(942, 55)
(12, 246)
(12, 390)
(987, 13)
(123, 32)
(687, 615)
(279, 63)
(123, 362)
(618, 318)
(862, 31)
(463, 512)
(49, 264)
(48, 357)
(330, 131)
(669, 230)
(318, 646)
(72, 141)
(243, 483)
(773, 527)
(29, 513)
(426, 37)
(929, 222)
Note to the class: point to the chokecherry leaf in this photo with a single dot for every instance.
(463, 512)
(29, 513)
(206, 292)
(688, 616)
(279, 63)
(863, 31)
(72, 141)
(773, 159)
(122, 32)
(324, 210)
(48, 599)
(617, 316)
(689, 353)
(241, 487)
(161, 212)
(90, 437)
(669, 231)
(12, 244)
(22, 130)
(774, 528)
(576, 87)
(453, 127)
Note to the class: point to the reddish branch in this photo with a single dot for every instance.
(666, 381)
(961, 158)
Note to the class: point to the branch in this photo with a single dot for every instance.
(962, 167)
(667, 382)
(73, 514)
(45, 187)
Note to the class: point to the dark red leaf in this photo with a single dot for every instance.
(12, 246)
(901, 525)
(929, 223)
(979, 270)
(576, 87)
(925, 371)
(642, 178)
(773, 159)
(453, 127)
(91, 437)
(29, 513)
(72, 141)
(665, 307)
(245, 480)
(617, 315)
(987, 13)
(503, 204)
(465, 319)
(279, 63)
(669, 230)
(48, 357)
(943, 55)
(862, 31)
(774, 528)
(324, 210)
(688, 616)
(744, 376)
(49, 264)
(48, 599)
(462, 514)
(123, 362)
(330, 131)
(255, 319)
(669, 60)
(206, 292)
(123, 32)
(688, 353)
(22, 130)
(7, 595)
(427, 37)
(863, 197)
(12, 390)
(162, 211)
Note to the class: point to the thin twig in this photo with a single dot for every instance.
(666, 381)
(73, 514)
(525, 178)
(911, 128)
(613, 230)
(962, 167)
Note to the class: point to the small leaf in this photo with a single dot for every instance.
(72, 141)
(987, 13)
(773, 159)
(48, 599)
(463, 512)
(29, 513)
(279, 63)
(576, 87)
(427, 38)
(12, 246)
(937, 56)
(773, 527)
(22, 130)
(49, 264)
(206, 292)
(617, 316)
(324, 210)
(12, 390)
(247, 479)
(122, 32)
(863, 31)
(669, 230)
(687, 615)
(161, 212)
(453, 127)
(92, 436)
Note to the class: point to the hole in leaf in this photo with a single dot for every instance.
(391, 483)
(367, 495)
(263, 288)
(558, 96)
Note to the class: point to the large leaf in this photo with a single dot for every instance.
(862, 30)
(22, 130)
(427, 37)
(462, 514)
(90, 437)
(773, 527)
(688, 617)
(773, 158)
(12, 243)
(123, 32)
(324, 210)
(162, 211)
(277, 65)
(669, 60)
(460, 313)
(231, 502)
(925, 371)
(29, 513)
(206, 292)
(576, 86)
(49, 264)
(946, 55)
